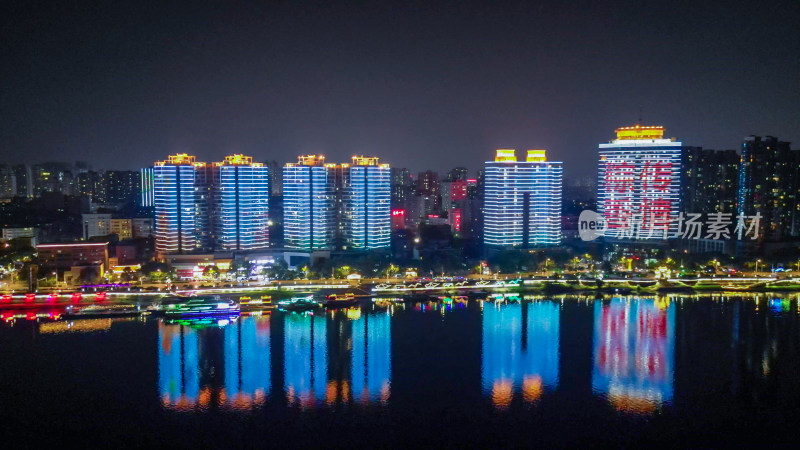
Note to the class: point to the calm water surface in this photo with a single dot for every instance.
(563, 371)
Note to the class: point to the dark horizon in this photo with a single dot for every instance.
(422, 85)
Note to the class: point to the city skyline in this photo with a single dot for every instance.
(412, 85)
(588, 178)
(300, 223)
(570, 173)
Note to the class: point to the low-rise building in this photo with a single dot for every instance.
(29, 233)
(96, 225)
(65, 256)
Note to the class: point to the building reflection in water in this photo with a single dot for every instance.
(372, 358)
(338, 359)
(247, 362)
(178, 366)
(520, 350)
(305, 358)
(634, 344)
(228, 366)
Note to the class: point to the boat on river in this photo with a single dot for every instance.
(299, 304)
(202, 305)
(340, 300)
(249, 304)
(103, 311)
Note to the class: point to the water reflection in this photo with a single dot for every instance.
(337, 359)
(372, 358)
(228, 366)
(715, 364)
(178, 374)
(247, 361)
(520, 350)
(780, 306)
(634, 342)
(305, 358)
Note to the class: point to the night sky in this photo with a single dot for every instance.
(419, 84)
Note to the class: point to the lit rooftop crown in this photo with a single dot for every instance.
(365, 160)
(639, 132)
(237, 160)
(536, 156)
(505, 155)
(177, 160)
(311, 160)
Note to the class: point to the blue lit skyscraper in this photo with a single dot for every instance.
(522, 200)
(241, 195)
(180, 200)
(308, 203)
(368, 191)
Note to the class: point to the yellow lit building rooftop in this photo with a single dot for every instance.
(238, 160)
(536, 156)
(637, 132)
(308, 160)
(365, 160)
(505, 155)
(179, 159)
(509, 155)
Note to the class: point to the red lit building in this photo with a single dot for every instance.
(398, 219)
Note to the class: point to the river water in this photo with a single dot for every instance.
(563, 371)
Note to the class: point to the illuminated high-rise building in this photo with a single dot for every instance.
(275, 178)
(91, 185)
(241, 197)
(402, 187)
(24, 180)
(458, 173)
(522, 200)
(122, 186)
(54, 177)
(146, 175)
(8, 182)
(710, 180)
(367, 197)
(639, 183)
(428, 183)
(309, 215)
(767, 179)
(180, 200)
(456, 203)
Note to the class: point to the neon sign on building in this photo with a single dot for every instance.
(639, 181)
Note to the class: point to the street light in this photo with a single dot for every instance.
(757, 262)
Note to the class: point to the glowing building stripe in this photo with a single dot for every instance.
(506, 185)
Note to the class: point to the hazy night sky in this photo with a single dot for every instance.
(419, 84)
